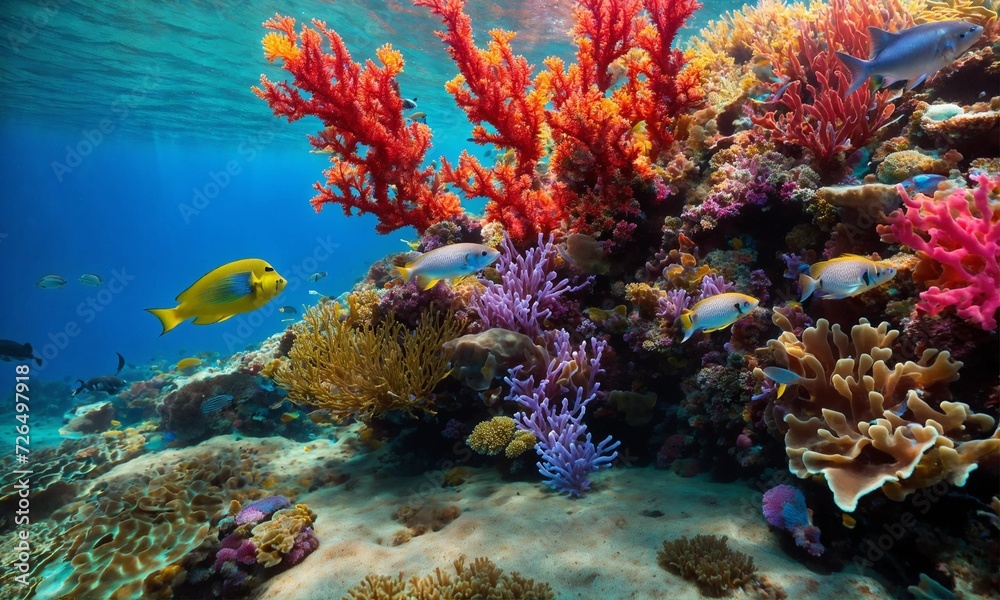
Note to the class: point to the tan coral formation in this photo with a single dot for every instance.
(865, 423)
(276, 537)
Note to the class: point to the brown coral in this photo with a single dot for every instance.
(865, 423)
(478, 358)
(482, 579)
(708, 561)
(369, 370)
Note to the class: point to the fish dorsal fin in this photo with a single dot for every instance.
(121, 363)
(880, 39)
(229, 288)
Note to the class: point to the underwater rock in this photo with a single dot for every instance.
(91, 418)
(478, 358)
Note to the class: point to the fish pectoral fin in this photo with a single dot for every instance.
(714, 329)
(227, 289)
(917, 81)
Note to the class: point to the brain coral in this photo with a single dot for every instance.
(866, 421)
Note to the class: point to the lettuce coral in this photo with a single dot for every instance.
(368, 370)
(866, 421)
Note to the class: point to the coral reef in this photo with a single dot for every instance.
(784, 507)
(709, 562)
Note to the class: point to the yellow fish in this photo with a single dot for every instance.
(716, 312)
(843, 277)
(447, 262)
(187, 363)
(234, 288)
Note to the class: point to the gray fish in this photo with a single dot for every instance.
(50, 282)
(216, 403)
(91, 279)
(409, 104)
(316, 276)
(10, 350)
(913, 54)
(288, 309)
(109, 384)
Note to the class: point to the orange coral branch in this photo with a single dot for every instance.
(376, 155)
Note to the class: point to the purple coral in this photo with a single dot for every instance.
(553, 409)
(785, 508)
(530, 290)
(235, 548)
(258, 510)
(749, 181)
(713, 285)
(305, 543)
(672, 304)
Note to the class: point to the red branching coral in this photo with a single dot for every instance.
(494, 87)
(819, 118)
(958, 241)
(376, 154)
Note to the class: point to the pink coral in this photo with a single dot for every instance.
(962, 235)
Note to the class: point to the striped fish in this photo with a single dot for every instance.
(216, 403)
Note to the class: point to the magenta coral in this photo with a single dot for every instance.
(962, 235)
(784, 507)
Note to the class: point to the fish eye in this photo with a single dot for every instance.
(484, 252)
(268, 269)
(962, 35)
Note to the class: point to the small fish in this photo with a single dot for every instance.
(843, 277)
(419, 117)
(448, 262)
(50, 282)
(288, 309)
(287, 320)
(115, 423)
(848, 521)
(323, 150)
(316, 277)
(314, 293)
(12, 351)
(238, 287)
(90, 279)
(187, 363)
(321, 416)
(716, 312)
(923, 184)
(409, 104)
(216, 403)
(783, 377)
(912, 54)
(289, 417)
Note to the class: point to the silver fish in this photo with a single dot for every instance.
(912, 54)
(90, 279)
(50, 282)
(316, 276)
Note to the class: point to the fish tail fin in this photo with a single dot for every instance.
(79, 389)
(169, 318)
(405, 273)
(687, 324)
(860, 71)
(121, 363)
(808, 285)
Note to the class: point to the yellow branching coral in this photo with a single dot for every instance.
(522, 441)
(491, 437)
(865, 421)
(368, 370)
(279, 45)
(276, 537)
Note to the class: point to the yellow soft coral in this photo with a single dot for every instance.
(368, 370)
(865, 421)
(279, 45)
